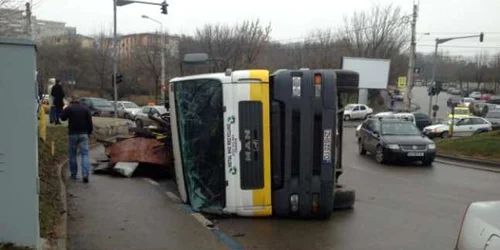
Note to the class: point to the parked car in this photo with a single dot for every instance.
(493, 116)
(494, 100)
(475, 95)
(480, 228)
(142, 118)
(462, 127)
(422, 120)
(357, 111)
(456, 92)
(486, 97)
(127, 109)
(395, 140)
(98, 106)
(466, 101)
(453, 101)
(378, 115)
(460, 112)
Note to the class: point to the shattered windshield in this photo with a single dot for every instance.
(201, 137)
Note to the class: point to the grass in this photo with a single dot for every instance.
(484, 146)
(50, 189)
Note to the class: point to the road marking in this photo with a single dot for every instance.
(172, 196)
(204, 221)
(154, 183)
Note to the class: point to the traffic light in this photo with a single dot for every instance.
(164, 6)
(481, 37)
(119, 78)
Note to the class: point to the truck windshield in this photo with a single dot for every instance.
(200, 120)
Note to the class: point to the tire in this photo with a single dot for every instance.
(139, 124)
(427, 162)
(444, 135)
(126, 116)
(380, 155)
(366, 116)
(344, 198)
(362, 150)
(347, 117)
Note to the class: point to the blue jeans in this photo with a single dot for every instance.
(81, 140)
(52, 114)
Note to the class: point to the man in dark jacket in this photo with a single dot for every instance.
(57, 94)
(79, 129)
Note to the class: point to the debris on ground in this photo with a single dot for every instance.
(149, 147)
(126, 168)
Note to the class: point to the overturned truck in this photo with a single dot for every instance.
(253, 144)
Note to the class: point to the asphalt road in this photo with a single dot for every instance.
(421, 98)
(397, 207)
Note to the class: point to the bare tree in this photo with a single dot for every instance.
(234, 46)
(102, 61)
(381, 32)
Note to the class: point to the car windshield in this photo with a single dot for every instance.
(468, 99)
(101, 102)
(399, 128)
(130, 105)
(161, 109)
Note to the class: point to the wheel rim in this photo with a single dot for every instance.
(380, 155)
(347, 118)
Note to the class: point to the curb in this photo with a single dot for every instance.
(61, 242)
(468, 160)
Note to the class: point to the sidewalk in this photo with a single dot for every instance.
(114, 213)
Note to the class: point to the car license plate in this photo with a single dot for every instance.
(413, 154)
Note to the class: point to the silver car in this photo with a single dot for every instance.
(142, 118)
(126, 109)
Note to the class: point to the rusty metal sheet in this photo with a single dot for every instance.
(142, 150)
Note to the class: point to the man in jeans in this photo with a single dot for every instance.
(79, 129)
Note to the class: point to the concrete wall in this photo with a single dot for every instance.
(18, 144)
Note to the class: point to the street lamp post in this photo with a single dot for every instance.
(434, 66)
(162, 57)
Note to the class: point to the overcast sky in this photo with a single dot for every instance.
(291, 20)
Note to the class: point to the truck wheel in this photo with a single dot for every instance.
(344, 198)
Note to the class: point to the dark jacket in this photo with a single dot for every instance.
(79, 119)
(57, 93)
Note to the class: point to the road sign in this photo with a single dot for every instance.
(402, 82)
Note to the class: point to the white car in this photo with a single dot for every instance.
(462, 127)
(475, 95)
(356, 111)
(381, 114)
(127, 110)
(480, 227)
(467, 101)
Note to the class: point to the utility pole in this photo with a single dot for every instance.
(411, 64)
(115, 60)
(27, 28)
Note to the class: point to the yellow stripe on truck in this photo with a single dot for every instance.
(260, 92)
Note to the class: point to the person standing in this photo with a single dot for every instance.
(57, 94)
(52, 109)
(80, 128)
